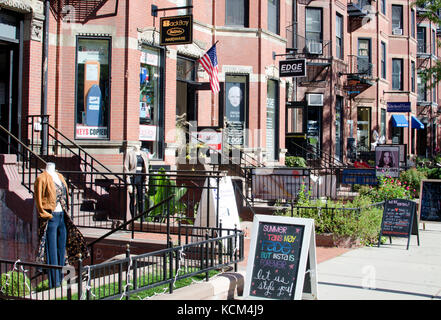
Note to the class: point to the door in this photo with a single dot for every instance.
(8, 96)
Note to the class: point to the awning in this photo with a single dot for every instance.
(416, 123)
(399, 120)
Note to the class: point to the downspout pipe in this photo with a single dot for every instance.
(44, 84)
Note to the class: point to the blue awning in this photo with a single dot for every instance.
(417, 124)
(399, 120)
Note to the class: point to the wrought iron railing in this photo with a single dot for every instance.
(127, 277)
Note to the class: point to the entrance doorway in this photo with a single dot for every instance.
(9, 113)
(11, 53)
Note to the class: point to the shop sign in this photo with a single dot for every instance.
(89, 132)
(147, 132)
(398, 107)
(292, 68)
(212, 139)
(176, 30)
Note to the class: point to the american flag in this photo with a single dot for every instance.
(209, 62)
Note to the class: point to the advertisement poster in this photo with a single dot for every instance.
(387, 160)
(235, 112)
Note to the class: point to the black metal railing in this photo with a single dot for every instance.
(101, 202)
(285, 185)
(302, 46)
(29, 281)
(125, 277)
(68, 155)
(359, 66)
(233, 157)
(31, 164)
(130, 276)
(311, 152)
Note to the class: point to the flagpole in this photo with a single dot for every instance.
(196, 63)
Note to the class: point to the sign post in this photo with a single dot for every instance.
(399, 220)
(282, 261)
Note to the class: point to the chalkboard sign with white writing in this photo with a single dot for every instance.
(430, 200)
(279, 253)
(399, 219)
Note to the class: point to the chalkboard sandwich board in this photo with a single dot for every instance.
(430, 201)
(399, 220)
(281, 250)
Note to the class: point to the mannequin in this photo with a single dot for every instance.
(57, 234)
(137, 163)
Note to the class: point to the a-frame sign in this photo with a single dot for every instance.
(282, 260)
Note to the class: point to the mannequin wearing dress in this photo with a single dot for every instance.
(136, 162)
(56, 230)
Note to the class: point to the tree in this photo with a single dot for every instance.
(431, 12)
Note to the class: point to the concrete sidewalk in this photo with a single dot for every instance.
(389, 272)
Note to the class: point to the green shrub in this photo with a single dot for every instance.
(412, 178)
(298, 162)
(15, 284)
(388, 188)
(356, 219)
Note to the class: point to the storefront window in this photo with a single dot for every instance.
(363, 128)
(272, 106)
(150, 106)
(235, 108)
(295, 120)
(93, 88)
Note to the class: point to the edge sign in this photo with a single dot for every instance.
(292, 68)
(176, 30)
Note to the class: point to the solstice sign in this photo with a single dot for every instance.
(176, 30)
(280, 251)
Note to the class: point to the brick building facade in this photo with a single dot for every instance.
(361, 56)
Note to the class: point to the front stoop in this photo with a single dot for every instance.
(225, 286)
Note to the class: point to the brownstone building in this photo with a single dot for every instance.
(362, 57)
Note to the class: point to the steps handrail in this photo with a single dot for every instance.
(259, 164)
(317, 153)
(22, 144)
(129, 221)
(45, 121)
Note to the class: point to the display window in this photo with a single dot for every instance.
(92, 88)
(236, 96)
(150, 101)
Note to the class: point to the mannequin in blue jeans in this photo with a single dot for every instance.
(56, 231)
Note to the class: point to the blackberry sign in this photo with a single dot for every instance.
(292, 68)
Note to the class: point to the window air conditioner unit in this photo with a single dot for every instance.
(397, 32)
(315, 99)
(315, 47)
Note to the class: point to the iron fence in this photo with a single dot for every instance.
(286, 184)
(125, 277)
(99, 201)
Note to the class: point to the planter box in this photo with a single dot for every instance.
(331, 240)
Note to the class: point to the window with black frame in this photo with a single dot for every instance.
(397, 74)
(150, 101)
(236, 13)
(313, 31)
(92, 88)
(273, 16)
(236, 88)
(272, 116)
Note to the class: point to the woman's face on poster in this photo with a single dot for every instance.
(235, 96)
(387, 158)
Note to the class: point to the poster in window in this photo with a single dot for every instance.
(387, 160)
(234, 112)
